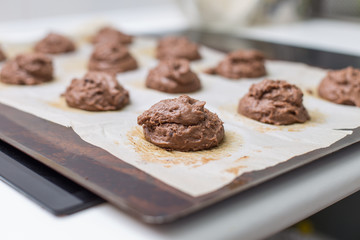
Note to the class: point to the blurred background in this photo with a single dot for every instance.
(329, 25)
(208, 12)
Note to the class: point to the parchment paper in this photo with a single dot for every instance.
(248, 145)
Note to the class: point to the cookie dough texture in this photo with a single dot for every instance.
(112, 58)
(27, 69)
(341, 86)
(96, 91)
(2, 55)
(173, 76)
(109, 34)
(241, 64)
(182, 124)
(55, 43)
(177, 47)
(274, 102)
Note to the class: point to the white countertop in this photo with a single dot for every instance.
(255, 214)
(322, 34)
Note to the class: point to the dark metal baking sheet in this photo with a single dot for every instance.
(131, 189)
(40, 183)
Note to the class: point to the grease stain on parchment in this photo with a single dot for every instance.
(151, 153)
(234, 170)
(312, 91)
(61, 104)
(12, 50)
(241, 158)
(3, 86)
(145, 51)
(138, 83)
(75, 64)
(199, 68)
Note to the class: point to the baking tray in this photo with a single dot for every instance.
(46, 187)
(131, 189)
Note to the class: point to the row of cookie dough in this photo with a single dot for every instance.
(183, 123)
(52, 44)
(172, 75)
(35, 68)
(55, 43)
(110, 54)
(274, 102)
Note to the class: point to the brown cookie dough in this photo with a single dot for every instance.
(341, 86)
(274, 102)
(177, 47)
(27, 69)
(2, 55)
(182, 124)
(241, 64)
(55, 43)
(109, 34)
(173, 76)
(112, 58)
(96, 91)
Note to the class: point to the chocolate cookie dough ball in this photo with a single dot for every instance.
(182, 124)
(173, 76)
(2, 55)
(28, 69)
(341, 86)
(274, 102)
(112, 58)
(96, 91)
(109, 34)
(177, 47)
(241, 64)
(54, 44)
